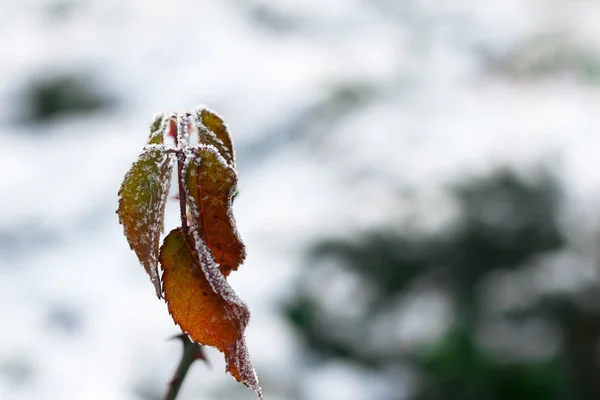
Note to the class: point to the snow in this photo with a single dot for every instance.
(430, 112)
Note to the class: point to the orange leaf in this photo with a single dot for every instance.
(212, 183)
(203, 304)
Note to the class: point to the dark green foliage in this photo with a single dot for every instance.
(375, 253)
(457, 369)
(505, 223)
(63, 94)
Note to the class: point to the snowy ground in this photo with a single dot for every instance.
(334, 106)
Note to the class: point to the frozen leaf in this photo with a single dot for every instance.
(142, 199)
(157, 123)
(157, 129)
(203, 304)
(162, 125)
(212, 184)
(213, 131)
(196, 307)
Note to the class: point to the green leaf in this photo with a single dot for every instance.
(142, 199)
(159, 127)
(213, 131)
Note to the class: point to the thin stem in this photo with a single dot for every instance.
(180, 183)
(191, 352)
(180, 162)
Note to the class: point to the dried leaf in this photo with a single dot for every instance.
(213, 131)
(212, 184)
(203, 304)
(142, 199)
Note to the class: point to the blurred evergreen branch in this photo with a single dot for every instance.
(506, 223)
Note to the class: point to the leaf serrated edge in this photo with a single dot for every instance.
(237, 354)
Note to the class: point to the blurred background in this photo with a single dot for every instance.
(419, 195)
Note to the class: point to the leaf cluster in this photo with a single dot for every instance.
(195, 258)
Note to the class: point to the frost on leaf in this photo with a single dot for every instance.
(197, 257)
(211, 183)
(213, 131)
(203, 304)
(156, 126)
(142, 199)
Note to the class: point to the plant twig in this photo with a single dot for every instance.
(180, 184)
(191, 352)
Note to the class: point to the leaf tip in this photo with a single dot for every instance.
(157, 288)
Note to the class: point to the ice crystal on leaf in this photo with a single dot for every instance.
(197, 257)
(211, 184)
(212, 130)
(142, 199)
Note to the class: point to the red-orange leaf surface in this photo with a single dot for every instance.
(203, 304)
(211, 183)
